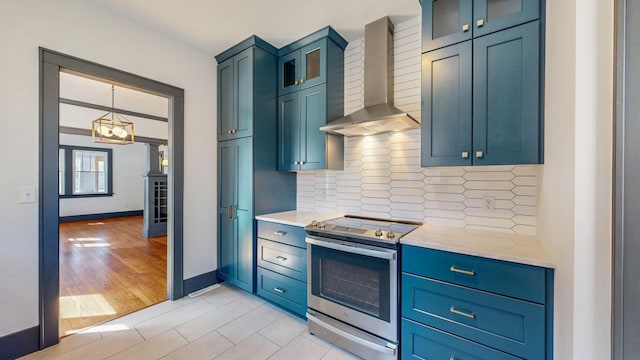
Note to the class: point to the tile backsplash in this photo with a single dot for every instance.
(382, 176)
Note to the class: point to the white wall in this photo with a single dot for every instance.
(129, 163)
(574, 210)
(382, 175)
(84, 30)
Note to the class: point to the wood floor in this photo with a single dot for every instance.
(107, 270)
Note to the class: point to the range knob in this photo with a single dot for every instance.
(321, 225)
(390, 234)
(314, 223)
(378, 232)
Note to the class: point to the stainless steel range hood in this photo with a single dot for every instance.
(378, 115)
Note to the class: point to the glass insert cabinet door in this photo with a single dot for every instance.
(447, 22)
(303, 68)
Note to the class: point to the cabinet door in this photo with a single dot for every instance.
(506, 94)
(289, 132)
(313, 115)
(447, 106)
(288, 72)
(313, 61)
(226, 108)
(243, 214)
(445, 22)
(243, 94)
(227, 179)
(493, 15)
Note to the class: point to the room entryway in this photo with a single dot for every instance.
(52, 65)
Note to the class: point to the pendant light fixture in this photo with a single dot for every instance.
(112, 130)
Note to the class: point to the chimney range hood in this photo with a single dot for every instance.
(378, 115)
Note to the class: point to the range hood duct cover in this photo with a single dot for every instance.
(378, 115)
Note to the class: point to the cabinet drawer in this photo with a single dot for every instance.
(284, 291)
(284, 259)
(423, 342)
(501, 277)
(287, 234)
(510, 325)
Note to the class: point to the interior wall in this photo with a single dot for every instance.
(80, 28)
(129, 163)
(574, 209)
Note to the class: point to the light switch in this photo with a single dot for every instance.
(27, 194)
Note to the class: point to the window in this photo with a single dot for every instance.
(85, 171)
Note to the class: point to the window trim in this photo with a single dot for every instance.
(68, 172)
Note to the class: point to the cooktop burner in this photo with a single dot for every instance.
(364, 228)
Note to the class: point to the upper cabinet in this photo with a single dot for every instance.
(235, 96)
(446, 22)
(311, 93)
(481, 86)
(303, 68)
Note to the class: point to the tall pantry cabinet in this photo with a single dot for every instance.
(248, 181)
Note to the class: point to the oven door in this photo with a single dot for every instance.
(354, 283)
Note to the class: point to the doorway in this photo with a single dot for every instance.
(51, 63)
(112, 245)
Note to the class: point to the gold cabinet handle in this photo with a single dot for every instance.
(301, 162)
(280, 290)
(296, 162)
(479, 154)
(465, 154)
(280, 233)
(230, 132)
(465, 27)
(295, 82)
(456, 269)
(281, 258)
(462, 313)
(301, 80)
(480, 22)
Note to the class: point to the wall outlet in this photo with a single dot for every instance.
(489, 202)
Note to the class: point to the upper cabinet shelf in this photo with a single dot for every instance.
(447, 22)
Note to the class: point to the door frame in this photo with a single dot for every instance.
(51, 62)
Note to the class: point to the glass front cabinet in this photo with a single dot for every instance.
(303, 68)
(447, 22)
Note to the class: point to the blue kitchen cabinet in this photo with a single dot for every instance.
(249, 183)
(481, 100)
(461, 306)
(311, 93)
(303, 68)
(282, 266)
(447, 22)
(447, 106)
(235, 88)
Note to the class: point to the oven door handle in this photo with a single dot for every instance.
(354, 249)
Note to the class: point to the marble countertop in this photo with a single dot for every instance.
(297, 218)
(524, 249)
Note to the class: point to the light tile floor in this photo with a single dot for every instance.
(225, 323)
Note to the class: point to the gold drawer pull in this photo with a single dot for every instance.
(462, 313)
(462, 271)
(280, 290)
(280, 233)
(281, 258)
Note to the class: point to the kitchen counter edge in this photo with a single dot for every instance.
(297, 218)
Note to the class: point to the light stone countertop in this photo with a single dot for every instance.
(523, 249)
(297, 218)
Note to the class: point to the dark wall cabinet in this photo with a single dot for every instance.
(481, 87)
(248, 181)
(311, 89)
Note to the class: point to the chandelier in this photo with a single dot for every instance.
(114, 129)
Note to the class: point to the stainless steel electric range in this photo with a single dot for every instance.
(353, 283)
